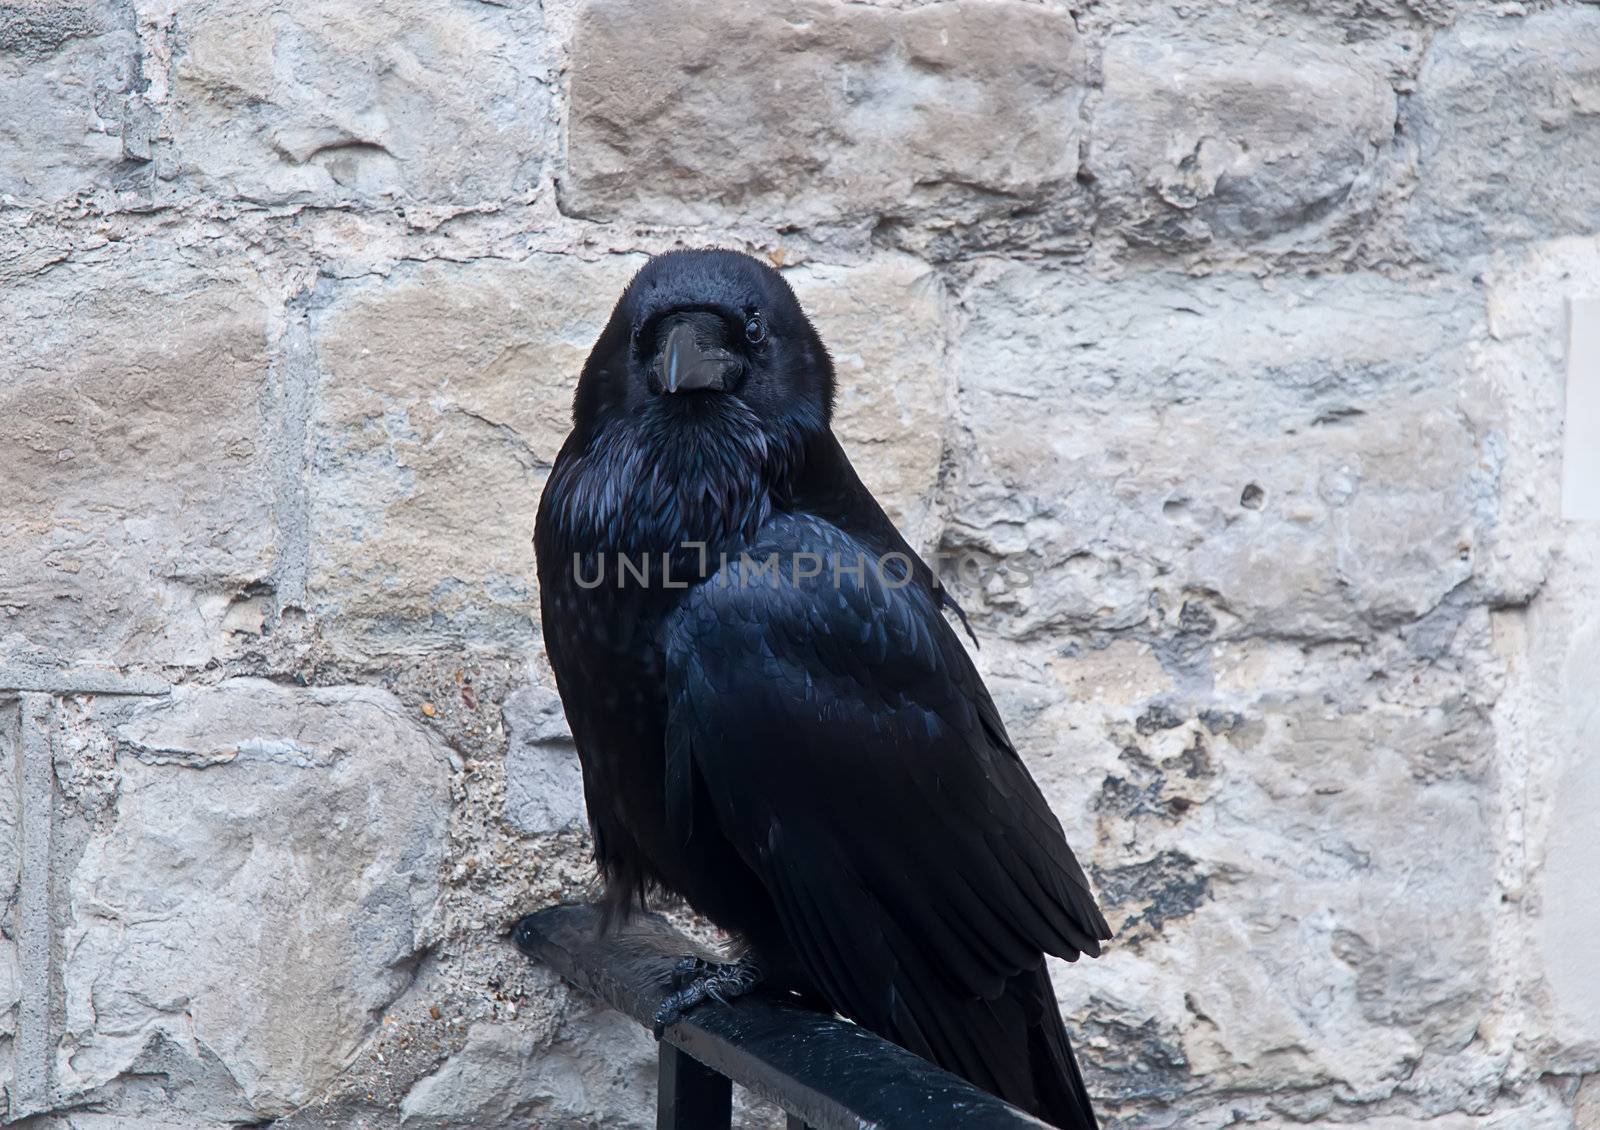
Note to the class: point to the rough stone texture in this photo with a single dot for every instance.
(10, 888)
(135, 465)
(257, 887)
(544, 782)
(387, 105)
(1288, 454)
(1217, 352)
(74, 68)
(504, 1076)
(1240, 137)
(1558, 643)
(809, 112)
(1507, 115)
(443, 398)
(1546, 716)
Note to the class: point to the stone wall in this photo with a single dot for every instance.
(1228, 336)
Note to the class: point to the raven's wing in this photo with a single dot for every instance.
(853, 757)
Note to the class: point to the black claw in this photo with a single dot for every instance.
(698, 981)
(668, 1014)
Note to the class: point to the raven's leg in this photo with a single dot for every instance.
(688, 968)
(700, 980)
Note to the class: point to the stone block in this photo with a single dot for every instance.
(1247, 139)
(601, 1072)
(385, 106)
(74, 67)
(257, 887)
(1292, 451)
(544, 782)
(136, 470)
(1277, 874)
(802, 112)
(1507, 121)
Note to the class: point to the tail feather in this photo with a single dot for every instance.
(1060, 1095)
(1014, 1045)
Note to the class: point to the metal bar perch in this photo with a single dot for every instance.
(827, 1073)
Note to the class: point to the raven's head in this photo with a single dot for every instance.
(709, 336)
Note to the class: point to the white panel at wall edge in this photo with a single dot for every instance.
(1580, 462)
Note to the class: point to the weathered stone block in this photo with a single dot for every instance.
(1369, 16)
(1507, 119)
(798, 112)
(602, 1072)
(1248, 139)
(72, 67)
(1547, 571)
(387, 104)
(259, 890)
(136, 483)
(1277, 867)
(1555, 676)
(445, 395)
(1293, 451)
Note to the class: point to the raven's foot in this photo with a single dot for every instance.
(697, 980)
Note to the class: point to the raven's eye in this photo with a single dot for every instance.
(754, 332)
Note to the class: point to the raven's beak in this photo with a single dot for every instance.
(688, 366)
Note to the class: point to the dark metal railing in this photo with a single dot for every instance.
(828, 1074)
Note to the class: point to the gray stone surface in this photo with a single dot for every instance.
(74, 67)
(1546, 714)
(1507, 120)
(390, 105)
(256, 890)
(605, 1075)
(137, 503)
(810, 112)
(11, 826)
(1288, 453)
(544, 783)
(1217, 351)
(1242, 137)
(1557, 668)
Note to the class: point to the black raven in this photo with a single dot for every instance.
(774, 719)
